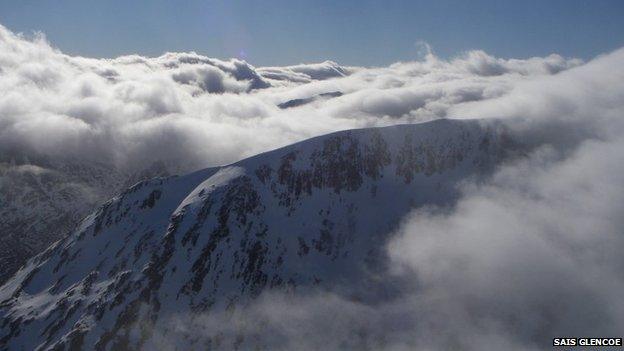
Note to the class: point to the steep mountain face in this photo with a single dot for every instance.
(313, 214)
(42, 200)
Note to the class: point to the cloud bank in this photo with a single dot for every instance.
(192, 111)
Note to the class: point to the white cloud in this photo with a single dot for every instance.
(534, 252)
(192, 111)
(304, 73)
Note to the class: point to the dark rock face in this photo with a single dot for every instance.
(340, 165)
(315, 213)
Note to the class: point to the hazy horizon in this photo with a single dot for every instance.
(284, 32)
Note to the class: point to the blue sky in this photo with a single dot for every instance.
(277, 32)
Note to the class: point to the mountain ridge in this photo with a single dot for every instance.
(312, 214)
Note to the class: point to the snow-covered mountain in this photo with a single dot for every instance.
(316, 214)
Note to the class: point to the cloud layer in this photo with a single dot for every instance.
(192, 111)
